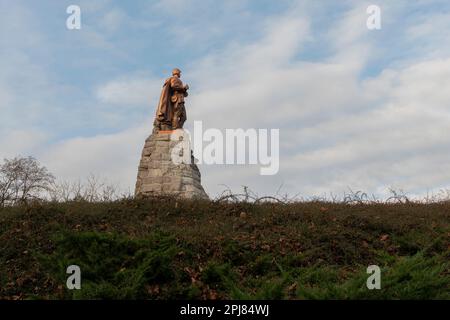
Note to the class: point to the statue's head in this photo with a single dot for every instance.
(176, 72)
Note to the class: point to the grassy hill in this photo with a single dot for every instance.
(169, 249)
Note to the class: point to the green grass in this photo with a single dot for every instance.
(169, 249)
(114, 266)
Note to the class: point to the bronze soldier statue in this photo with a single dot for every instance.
(171, 112)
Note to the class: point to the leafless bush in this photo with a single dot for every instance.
(23, 179)
(93, 189)
(350, 197)
(358, 197)
(397, 196)
(249, 196)
(443, 195)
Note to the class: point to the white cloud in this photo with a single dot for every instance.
(428, 30)
(21, 142)
(113, 19)
(113, 157)
(129, 91)
(401, 140)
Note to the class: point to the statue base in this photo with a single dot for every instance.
(159, 175)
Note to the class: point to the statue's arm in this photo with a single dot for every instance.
(177, 84)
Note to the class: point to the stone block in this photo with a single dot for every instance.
(154, 187)
(187, 180)
(153, 180)
(161, 137)
(157, 174)
(146, 152)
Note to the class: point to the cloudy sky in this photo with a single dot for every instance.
(356, 108)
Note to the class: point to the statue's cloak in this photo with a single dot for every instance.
(164, 111)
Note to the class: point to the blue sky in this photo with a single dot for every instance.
(355, 108)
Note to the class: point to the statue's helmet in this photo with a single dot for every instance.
(176, 71)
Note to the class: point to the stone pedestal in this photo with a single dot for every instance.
(160, 171)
